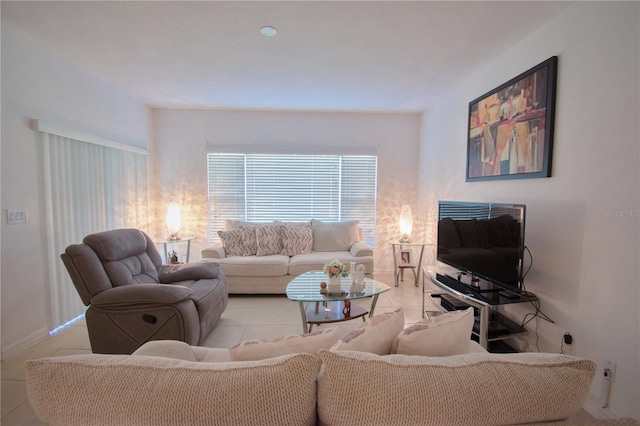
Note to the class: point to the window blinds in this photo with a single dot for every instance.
(88, 188)
(266, 187)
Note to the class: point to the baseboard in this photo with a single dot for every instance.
(593, 406)
(23, 343)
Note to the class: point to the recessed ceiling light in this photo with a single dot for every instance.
(268, 31)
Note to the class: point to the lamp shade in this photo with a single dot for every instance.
(174, 221)
(406, 223)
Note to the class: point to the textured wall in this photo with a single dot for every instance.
(585, 267)
(179, 160)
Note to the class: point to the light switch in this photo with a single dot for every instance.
(15, 216)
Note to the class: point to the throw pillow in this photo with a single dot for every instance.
(230, 224)
(335, 236)
(232, 242)
(296, 240)
(376, 335)
(253, 350)
(268, 239)
(443, 335)
(249, 239)
(530, 388)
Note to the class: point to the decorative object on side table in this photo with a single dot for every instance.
(173, 258)
(174, 221)
(406, 223)
(335, 270)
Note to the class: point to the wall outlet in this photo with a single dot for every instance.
(609, 370)
(15, 216)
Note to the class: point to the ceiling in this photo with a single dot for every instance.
(327, 55)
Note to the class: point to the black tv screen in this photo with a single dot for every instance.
(484, 240)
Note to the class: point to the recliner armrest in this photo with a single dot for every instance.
(188, 271)
(361, 249)
(141, 294)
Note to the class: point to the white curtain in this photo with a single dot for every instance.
(89, 188)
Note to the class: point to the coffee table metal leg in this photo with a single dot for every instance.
(373, 305)
(304, 318)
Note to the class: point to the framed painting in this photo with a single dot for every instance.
(510, 132)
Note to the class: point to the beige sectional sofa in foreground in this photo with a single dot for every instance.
(317, 379)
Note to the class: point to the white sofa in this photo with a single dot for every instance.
(316, 378)
(264, 258)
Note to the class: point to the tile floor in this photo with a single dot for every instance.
(246, 318)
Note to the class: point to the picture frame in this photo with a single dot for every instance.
(510, 128)
(405, 257)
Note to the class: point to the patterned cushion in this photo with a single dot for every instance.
(232, 242)
(268, 239)
(530, 388)
(296, 240)
(443, 335)
(253, 350)
(249, 239)
(375, 335)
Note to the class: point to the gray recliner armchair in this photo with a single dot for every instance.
(133, 298)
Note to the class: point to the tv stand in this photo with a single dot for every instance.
(490, 327)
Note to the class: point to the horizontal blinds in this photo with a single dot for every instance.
(464, 211)
(292, 188)
(358, 192)
(469, 210)
(295, 188)
(226, 199)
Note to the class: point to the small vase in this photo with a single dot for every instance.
(334, 284)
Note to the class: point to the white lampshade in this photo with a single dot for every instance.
(406, 224)
(174, 221)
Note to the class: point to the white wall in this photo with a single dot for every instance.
(585, 259)
(37, 85)
(180, 162)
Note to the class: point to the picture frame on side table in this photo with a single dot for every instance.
(510, 131)
(405, 257)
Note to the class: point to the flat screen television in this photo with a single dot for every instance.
(483, 240)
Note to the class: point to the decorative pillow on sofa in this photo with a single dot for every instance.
(443, 335)
(253, 350)
(376, 335)
(334, 236)
(530, 388)
(249, 239)
(232, 242)
(268, 239)
(296, 240)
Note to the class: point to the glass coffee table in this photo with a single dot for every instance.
(324, 307)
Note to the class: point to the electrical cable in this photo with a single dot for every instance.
(534, 302)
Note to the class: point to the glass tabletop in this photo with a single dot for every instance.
(306, 288)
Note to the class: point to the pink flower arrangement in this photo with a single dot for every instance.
(336, 268)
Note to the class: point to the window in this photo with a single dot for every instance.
(295, 188)
(88, 187)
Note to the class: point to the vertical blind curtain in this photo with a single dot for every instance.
(264, 187)
(88, 188)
